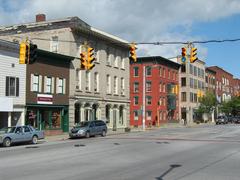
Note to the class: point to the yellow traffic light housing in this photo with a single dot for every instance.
(133, 54)
(83, 60)
(184, 55)
(193, 55)
(23, 53)
(90, 58)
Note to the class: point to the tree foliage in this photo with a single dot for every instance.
(207, 103)
(231, 107)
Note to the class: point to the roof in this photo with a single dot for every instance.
(219, 68)
(210, 70)
(157, 59)
(74, 23)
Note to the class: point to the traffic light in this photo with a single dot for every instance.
(193, 55)
(90, 58)
(83, 60)
(33, 53)
(23, 53)
(176, 89)
(133, 55)
(184, 55)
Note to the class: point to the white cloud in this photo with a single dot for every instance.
(138, 21)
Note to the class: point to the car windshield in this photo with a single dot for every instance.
(82, 124)
(8, 130)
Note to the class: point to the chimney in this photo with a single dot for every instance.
(40, 17)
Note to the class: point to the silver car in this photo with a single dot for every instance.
(89, 128)
(19, 134)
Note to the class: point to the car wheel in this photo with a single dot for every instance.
(7, 142)
(87, 135)
(34, 140)
(103, 133)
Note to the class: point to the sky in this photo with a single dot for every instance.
(148, 21)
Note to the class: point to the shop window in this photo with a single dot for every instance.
(56, 119)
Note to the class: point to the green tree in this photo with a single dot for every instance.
(231, 107)
(207, 103)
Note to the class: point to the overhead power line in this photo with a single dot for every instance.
(146, 43)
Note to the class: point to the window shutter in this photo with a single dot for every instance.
(40, 84)
(64, 86)
(31, 85)
(17, 87)
(53, 86)
(7, 86)
(57, 86)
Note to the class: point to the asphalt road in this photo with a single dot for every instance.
(199, 153)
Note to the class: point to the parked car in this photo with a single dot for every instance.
(19, 134)
(237, 119)
(221, 120)
(89, 128)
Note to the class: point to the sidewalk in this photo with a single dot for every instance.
(65, 136)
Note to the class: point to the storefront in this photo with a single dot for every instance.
(53, 119)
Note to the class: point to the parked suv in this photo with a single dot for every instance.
(89, 128)
(222, 120)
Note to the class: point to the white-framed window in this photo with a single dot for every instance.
(135, 71)
(35, 83)
(78, 79)
(122, 86)
(115, 85)
(109, 56)
(96, 82)
(136, 87)
(148, 86)
(108, 84)
(122, 63)
(12, 86)
(116, 61)
(148, 100)
(136, 98)
(148, 70)
(61, 85)
(54, 44)
(135, 115)
(48, 84)
(149, 115)
(88, 81)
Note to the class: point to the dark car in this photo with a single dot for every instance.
(89, 128)
(221, 120)
(237, 119)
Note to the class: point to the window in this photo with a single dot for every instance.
(191, 97)
(169, 74)
(108, 84)
(96, 82)
(116, 60)
(109, 56)
(183, 82)
(122, 63)
(149, 100)
(135, 71)
(12, 86)
(148, 71)
(136, 87)
(115, 85)
(160, 87)
(149, 115)
(184, 96)
(122, 86)
(35, 83)
(183, 68)
(88, 82)
(79, 79)
(26, 129)
(148, 86)
(160, 71)
(136, 100)
(135, 115)
(191, 83)
(60, 86)
(164, 73)
(48, 84)
(54, 44)
(195, 71)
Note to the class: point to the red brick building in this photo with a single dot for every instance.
(236, 87)
(224, 83)
(210, 78)
(161, 79)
